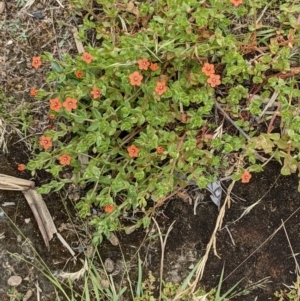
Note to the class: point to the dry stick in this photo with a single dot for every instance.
(231, 121)
(276, 113)
(269, 238)
(259, 157)
(163, 245)
(269, 104)
(212, 242)
(290, 245)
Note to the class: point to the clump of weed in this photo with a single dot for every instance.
(175, 92)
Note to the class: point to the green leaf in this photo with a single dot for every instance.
(94, 126)
(56, 67)
(159, 19)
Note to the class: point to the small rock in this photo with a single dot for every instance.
(89, 252)
(14, 281)
(105, 283)
(28, 295)
(109, 265)
(130, 229)
(191, 266)
(37, 15)
(113, 239)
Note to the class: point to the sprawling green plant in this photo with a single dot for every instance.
(172, 92)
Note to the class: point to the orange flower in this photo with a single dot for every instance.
(154, 66)
(55, 104)
(87, 57)
(21, 167)
(109, 208)
(51, 117)
(70, 103)
(79, 74)
(45, 142)
(36, 62)
(96, 93)
(143, 64)
(214, 80)
(246, 176)
(133, 151)
(236, 2)
(33, 92)
(160, 88)
(159, 149)
(135, 79)
(208, 69)
(64, 159)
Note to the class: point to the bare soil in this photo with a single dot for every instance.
(250, 248)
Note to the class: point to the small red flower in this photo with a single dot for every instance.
(87, 57)
(208, 69)
(160, 88)
(135, 79)
(21, 167)
(55, 104)
(70, 103)
(236, 2)
(133, 151)
(160, 150)
(36, 62)
(214, 80)
(246, 176)
(51, 117)
(64, 159)
(96, 93)
(109, 208)
(79, 74)
(154, 66)
(143, 64)
(45, 142)
(33, 92)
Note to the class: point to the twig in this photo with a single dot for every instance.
(271, 127)
(231, 121)
(163, 246)
(290, 245)
(258, 156)
(232, 240)
(269, 104)
(59, 4)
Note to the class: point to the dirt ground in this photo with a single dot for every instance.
(251, 248)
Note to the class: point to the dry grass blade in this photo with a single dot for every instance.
(212, 242)
(13, 183)
(37, 205)
(78, 43)
(3, 145)
(269, 104)
(163, 246)
(41, 214)
(293, 253)
(76, 275)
